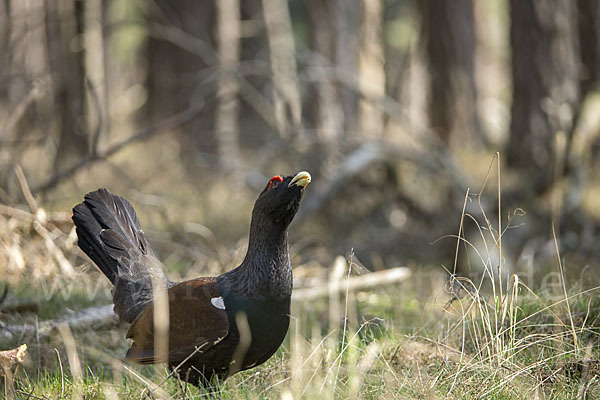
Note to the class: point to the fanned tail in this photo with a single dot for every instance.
(110, 234)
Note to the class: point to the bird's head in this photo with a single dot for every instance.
(280, 199)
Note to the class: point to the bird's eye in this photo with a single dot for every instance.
(274, 182)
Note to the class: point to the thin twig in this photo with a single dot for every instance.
(32, 395)
(62, 375)
(564, 287)
(19, 111)
(4, 294)
(25, 189)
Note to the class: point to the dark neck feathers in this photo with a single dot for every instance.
(266, 270)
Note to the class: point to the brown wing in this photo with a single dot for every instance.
(194, 323)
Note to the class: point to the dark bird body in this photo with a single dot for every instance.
(216, 326)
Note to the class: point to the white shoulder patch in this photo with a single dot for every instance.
(218, 302)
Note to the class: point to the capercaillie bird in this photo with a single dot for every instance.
(206, 339)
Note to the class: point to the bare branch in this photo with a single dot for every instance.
(161, 127)
(88, 318)
(363, 282)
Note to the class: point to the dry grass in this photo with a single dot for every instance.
(491, 338)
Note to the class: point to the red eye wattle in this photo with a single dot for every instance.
(274, 179)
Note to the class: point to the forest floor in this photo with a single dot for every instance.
(423, 337)
(389, 343)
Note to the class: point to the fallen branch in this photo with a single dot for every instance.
(363, 158)
(102, 316)
(8, 358)
(363, 282)
(88, 318)
(18, 306)
(16, 213)
(53, 216)
(13, 356)
(356, 162)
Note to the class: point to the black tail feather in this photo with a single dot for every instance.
(110, 234)
(88, 231)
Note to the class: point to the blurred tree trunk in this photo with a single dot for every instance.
(584, 130)
(286, 94)
(346, 22)
(226, 119)
(180, 53)
(324, 111)
(448, 30)
(254, 51)
(64, 34)
(5, 72)
(543, 37)
(371, 72)
(5, 33)
(105, 68)
(96, 71)
(589, 42)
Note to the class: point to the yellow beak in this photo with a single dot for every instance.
(301, 179)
